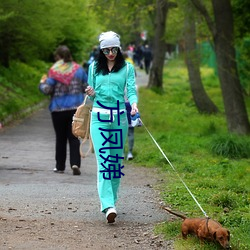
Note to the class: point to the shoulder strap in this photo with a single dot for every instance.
(85, 99)
(90, 149)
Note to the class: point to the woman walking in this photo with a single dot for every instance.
(108, 78)
(65, 84)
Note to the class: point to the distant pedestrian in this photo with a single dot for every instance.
(93, 55)
(138, 56)
(65, 84)
(147, 54)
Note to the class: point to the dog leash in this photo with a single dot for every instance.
(174, 170)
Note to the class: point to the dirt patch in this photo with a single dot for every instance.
(50, 234)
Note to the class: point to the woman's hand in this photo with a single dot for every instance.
(134, 109)
(90, 91)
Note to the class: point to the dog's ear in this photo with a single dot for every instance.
(228, 237)
(214, 235)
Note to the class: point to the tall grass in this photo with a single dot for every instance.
(214, 164)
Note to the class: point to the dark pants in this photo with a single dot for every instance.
(147, 65)
(62, 122)
(131, 139)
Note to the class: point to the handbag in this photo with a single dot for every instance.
(81, 126)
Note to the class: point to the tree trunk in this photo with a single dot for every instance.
(223, 38)
(201, 99)
(235, 109)
(159, 47)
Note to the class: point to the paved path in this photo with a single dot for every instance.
(141, 78)
(30, 190)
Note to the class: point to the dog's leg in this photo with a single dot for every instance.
(184, 235)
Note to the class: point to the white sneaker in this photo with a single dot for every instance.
(58, 171)
(111, 214)
(129, 156)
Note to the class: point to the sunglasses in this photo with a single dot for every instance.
(106, 51)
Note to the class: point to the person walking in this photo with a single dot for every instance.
(65, 83)
(108, 78)
(147, 54)
(131, 129)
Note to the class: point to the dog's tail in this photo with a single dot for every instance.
(175, 213)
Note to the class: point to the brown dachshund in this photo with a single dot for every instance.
(204, 229)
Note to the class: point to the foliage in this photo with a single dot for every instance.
(175, 25)
(242, 37)
(243, 60)
(219, 183)
(241, 17)
(19, 88)
(127, 17)
(27, 33)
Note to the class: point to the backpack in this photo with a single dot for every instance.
(81, 125)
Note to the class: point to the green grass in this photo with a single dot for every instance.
(19, 88)
(214, 164)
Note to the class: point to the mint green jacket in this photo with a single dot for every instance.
(112, 87)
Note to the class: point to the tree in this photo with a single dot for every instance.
(223, 38)
(201, 99)
(127, 17)
(28, 33)
(159, 46)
